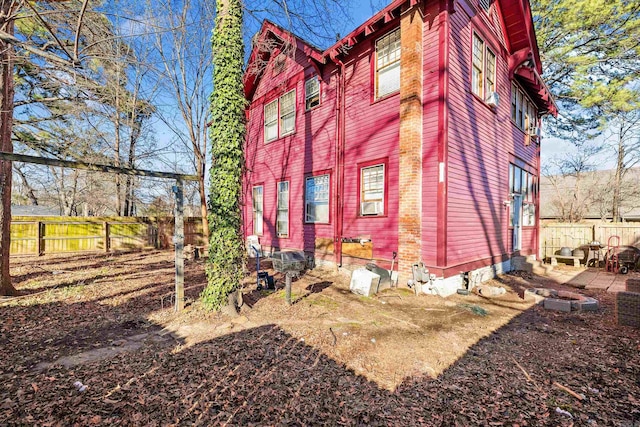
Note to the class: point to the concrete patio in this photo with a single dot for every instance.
(591, 278)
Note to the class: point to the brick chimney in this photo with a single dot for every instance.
(410, 148)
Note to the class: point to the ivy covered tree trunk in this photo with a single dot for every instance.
(227, 131)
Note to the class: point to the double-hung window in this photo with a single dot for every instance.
(388, 64)
(523, 112)
(282, 221)
(257, 204)
(372, 190)
(311, 93)
(271, 121)
(288, 113)
(483, 69)
(280, 116)
(316, 199)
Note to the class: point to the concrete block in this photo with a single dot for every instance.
(364, 282)
(557, 305)
(589, 305)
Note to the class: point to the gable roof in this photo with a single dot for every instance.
(517, 26)
(524, 59)
(279, 37)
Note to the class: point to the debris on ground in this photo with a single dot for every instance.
(332, 358)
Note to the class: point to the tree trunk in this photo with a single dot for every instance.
(203, 198)
(116, 158)
(226, 249)
(6, 125)
(617, 179)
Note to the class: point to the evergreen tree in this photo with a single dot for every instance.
(227, 133)
(590, 51)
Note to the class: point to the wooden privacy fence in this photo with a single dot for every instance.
(51, 235)
(554, 236)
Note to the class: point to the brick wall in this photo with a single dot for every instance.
(410, 147)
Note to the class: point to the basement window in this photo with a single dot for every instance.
(388, 64)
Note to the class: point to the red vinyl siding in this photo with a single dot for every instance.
(309, 149)
(432, 63)
(481, 144)
(371, 132)
(464, 220)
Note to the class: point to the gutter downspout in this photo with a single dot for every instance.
(339, 155)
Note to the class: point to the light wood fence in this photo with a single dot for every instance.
(51, 235)
(554, 236)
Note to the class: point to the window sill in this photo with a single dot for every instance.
(372, 216)
(312, 108)
(279, 138)
(385, 97)
(494, 110)
(317, 223)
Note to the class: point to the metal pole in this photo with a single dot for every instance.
(178, 237)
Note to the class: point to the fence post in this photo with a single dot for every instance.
(39, 240)
(107, 239)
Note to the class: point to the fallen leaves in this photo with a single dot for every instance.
(266, 376)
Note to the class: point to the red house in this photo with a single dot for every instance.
(416, 135)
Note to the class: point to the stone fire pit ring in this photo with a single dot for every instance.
(565, 301)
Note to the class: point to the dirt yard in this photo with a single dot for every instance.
(94, 340)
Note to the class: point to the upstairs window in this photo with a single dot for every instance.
(271, 121)
(311, 93)
(483, 69)
(316, 199)
(288, 113)
(388, 64)
(523, 112)
(372, 190)
(280, 117)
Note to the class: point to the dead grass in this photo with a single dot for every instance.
(431, 356)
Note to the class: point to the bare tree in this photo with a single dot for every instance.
(568, 176)
(185, 55)
(627, 150)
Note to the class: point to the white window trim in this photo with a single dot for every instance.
(255, 211)
(386, 66)
(528, 195)
(306, 201)
(309, 95)
(275, 101)
(278, 209)
(384, 184)
(483, 88)
(481, 67)
(279, 117)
